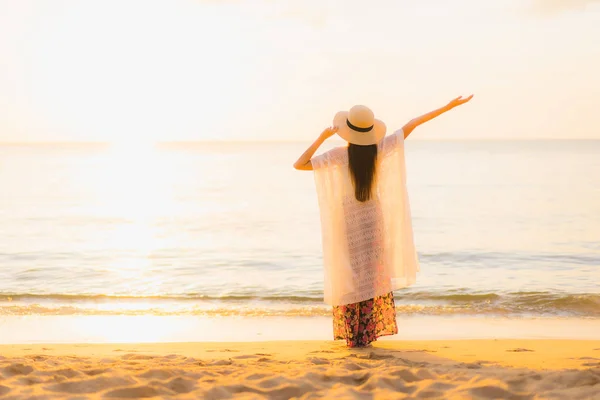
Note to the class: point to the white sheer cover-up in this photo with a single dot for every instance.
(368, 248)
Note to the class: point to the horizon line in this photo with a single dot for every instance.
(240, 141)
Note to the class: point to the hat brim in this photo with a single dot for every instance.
(374, 136)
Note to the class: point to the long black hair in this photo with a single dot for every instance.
(362, 162)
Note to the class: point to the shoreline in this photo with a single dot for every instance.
(154, 329)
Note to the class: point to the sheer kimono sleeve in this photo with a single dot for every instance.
(391, 142)
(327, 169)
(401, 257)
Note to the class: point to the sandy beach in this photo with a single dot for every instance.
(441, 369)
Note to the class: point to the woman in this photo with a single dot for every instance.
(368, 247)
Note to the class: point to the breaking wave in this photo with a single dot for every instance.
(407, 303)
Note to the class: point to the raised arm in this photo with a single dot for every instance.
(303, 163)
(410, 126)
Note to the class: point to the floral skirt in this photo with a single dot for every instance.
(362, 323)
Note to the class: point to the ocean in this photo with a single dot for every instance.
(502, 228)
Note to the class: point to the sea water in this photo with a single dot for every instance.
(507, 228)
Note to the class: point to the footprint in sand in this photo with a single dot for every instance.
(318, 361)
(88, 385)
(133, 392)
(420, 351)
(16, 369)
(134, 357)
(373, 356)
(94, 372)
(37, 358)
(321, 351)
(519, 350)
(257, 376)
(181, 385)
(493, 392)
(174, 357)
(222, 351)
(591, 364)
(245, 357)
(221, 362)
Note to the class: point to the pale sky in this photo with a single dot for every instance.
(167, 70)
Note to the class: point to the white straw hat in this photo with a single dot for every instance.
(359, 126)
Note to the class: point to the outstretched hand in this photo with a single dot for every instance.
(304, 162)
(459, 101)
(329, 132)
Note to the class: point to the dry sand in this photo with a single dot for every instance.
(464, 369)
